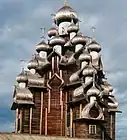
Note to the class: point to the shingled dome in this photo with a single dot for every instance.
(57, 40)
(22, 77)
(52, 32)
(42, 46)
(72, 28)
(32, 64)
(94, 46)
(79, 39)
(66, 13)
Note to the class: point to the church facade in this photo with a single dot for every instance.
(65, 92)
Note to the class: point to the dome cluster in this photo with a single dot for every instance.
(65, 76)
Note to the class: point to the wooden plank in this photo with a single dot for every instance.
(62, 118)
(66, 115)
(111, 126)
(71, 121)
(49, 101)
(36, 113)
(16, 125)
(21, 118)
(46, 121)
(31, 112)
(73, 129)
(41, 114)
(80, 110)
(53, 60)
(61, 93)
(57, 59)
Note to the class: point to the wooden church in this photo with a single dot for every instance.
(65, 92)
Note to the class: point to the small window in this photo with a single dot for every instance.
(92, 129)
(43, 54)
(57, 48)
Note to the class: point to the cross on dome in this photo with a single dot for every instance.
(22, 63)
(53, 18)
(65, 3)
(43, 32)
(93, 32)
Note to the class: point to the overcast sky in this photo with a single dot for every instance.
(20, 22)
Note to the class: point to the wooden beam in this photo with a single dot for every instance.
(21, 118)
(103, 136)
(49, 101)
(61, 93)
(71, 121)
(62, 118)
(46, 121)
(61, 102)
(53, 64)
(50, 75)
(73, 129)
(66, 114)
(111, 118)
(31, 111)
(41, 113)
(57, 63)
(16, 124)
(80, 110)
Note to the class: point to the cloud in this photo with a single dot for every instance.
(7, 125)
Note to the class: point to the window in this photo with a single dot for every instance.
(43, 54)
(63, 27)
(58, 49)
(92, 129)
(78, 47)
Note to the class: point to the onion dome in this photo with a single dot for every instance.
(41, 62)
(85, 56)
(72, 28)
(93, 91)
(32, 64)
(66, 13)
(94, 46)
(88, 71)
(42, 46)
(57, 40)
(79, 39)
(22, 77)
(52, 32)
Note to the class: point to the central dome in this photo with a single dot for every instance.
(66, 13)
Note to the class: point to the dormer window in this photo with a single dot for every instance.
(92, 129)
